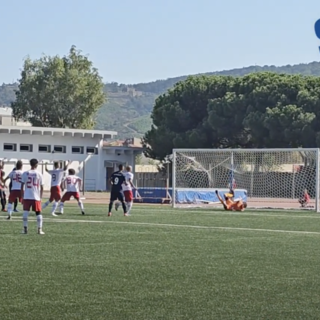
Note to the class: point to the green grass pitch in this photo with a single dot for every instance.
(161, 263)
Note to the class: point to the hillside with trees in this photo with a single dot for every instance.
(128, 107)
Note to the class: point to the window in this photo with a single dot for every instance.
(77, 150)
(26, 147)
(44, 148)
(10, 147)
(92, 150)
(60, 149)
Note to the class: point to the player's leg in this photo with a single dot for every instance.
(37, 209)
(3, 200)
(128, 196)
(121, 199)
(12, 198)
(221, 200)
(80, 203)
(15, 205)
(113, 198)
(65, 197)
(56, 197)
(50, 199)
(26, 209)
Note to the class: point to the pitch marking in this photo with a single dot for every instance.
(178, 226)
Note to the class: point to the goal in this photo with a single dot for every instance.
(265, 178)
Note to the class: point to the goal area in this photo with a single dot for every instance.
(264, 178)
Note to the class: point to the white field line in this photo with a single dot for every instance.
(176, 226)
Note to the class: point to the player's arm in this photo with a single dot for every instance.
(65, 168)
(23, 181)
(80, 184)
(131, 183)
(111, 179)
(63, 184)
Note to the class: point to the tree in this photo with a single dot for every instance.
(59, 92)
(260, 110)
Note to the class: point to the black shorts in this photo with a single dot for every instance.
(116, 195)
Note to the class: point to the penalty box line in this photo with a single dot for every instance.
(166, 225)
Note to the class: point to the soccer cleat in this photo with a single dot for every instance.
(109, 214)
(40, 231)
(82, 212)
(8, 217)
(24, 231)
(4, 210)
(126, 214)
(15, 210)
(54, 214)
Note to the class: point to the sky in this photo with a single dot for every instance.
(133, 41)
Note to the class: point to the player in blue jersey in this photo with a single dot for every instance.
(117, 179)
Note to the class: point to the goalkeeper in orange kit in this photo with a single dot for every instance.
(229, 204)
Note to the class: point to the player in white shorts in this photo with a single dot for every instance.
(127, 190)
(73, 185)
(57, 176)
(32, 190)
(15, 191)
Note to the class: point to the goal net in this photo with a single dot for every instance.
(265, 178)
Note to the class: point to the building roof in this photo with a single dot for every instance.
(41, 131)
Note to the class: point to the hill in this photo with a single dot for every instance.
(128, 108)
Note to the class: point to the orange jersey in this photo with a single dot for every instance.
(234, 205)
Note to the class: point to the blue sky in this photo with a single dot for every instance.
(133, 41)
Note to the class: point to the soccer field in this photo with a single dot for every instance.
(161, 263)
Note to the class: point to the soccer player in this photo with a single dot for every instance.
(127, 190)
(229, 204)
(32, 190)
(15, 190)
(15, 204)
(73, 185)
(305, 199)
(55, 191)
(3, 196)
(117, 179)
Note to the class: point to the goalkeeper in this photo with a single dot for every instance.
(229, 204)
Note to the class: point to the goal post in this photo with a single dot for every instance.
(264, 178)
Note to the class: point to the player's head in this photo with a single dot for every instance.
(129, 168)
(71, 172)
(56, 165)
(19, 165)
(120, 167)
(34, 163)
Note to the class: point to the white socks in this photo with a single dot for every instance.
(10, 209)
(80, 204)
(54, 207)
(129, 207)
(39, 221)
(25, 219)
(45, 204)
(61, 207)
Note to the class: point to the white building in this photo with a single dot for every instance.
(92, 161)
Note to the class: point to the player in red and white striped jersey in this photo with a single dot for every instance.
(32, 190)
(73, 185)
(15, 191)
(57, 176)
